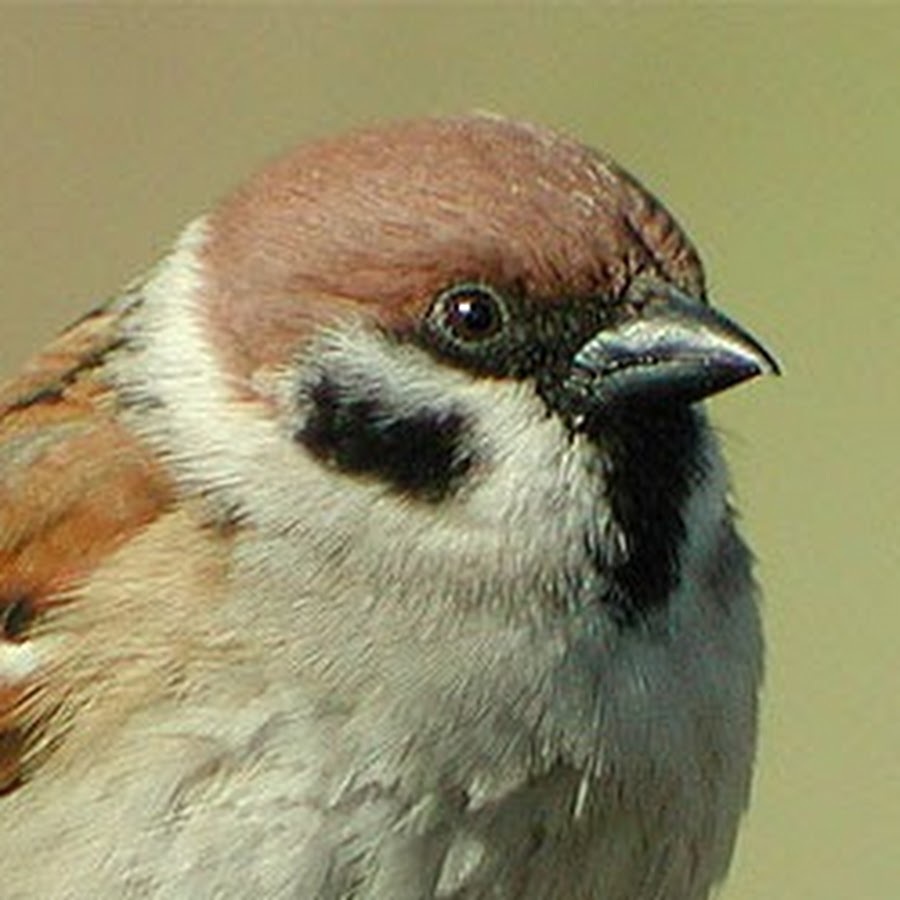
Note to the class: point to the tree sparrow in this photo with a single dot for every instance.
(375, 545)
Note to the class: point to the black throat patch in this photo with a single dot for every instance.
(654, 459)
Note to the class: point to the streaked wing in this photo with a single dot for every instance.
(74, 485)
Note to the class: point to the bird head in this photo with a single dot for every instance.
(463, 320)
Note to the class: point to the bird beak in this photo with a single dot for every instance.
(666, 345)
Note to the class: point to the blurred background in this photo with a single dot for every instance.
(773, 133)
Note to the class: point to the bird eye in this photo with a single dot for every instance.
(469, 313)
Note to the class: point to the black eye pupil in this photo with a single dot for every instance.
(472, 315)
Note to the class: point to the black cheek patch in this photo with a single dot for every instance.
(422, 453)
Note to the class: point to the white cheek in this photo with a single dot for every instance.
(527, 473)
(521, 512)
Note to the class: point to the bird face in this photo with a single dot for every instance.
(435, 301)
(620, 374)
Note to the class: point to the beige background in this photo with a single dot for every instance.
(774, 134)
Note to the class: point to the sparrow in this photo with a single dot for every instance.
(376, 545)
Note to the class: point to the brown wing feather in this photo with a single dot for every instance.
(74, 485)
